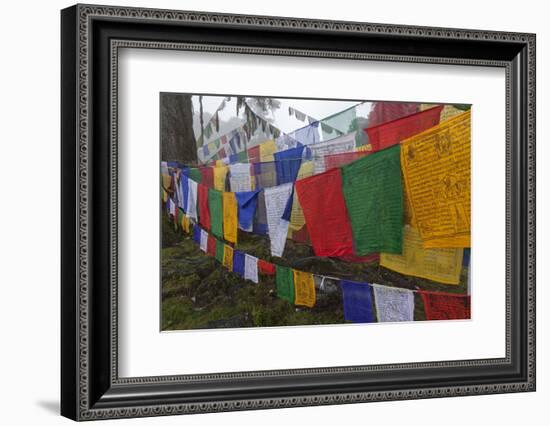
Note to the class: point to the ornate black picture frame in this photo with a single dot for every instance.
(90, 38)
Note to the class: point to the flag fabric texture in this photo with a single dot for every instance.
(325, 213)
(215, 207)
(229, 217)
(284, 280)
(374, 199)
(357, 299)
(445, 306)
(393, 304)
(304, 289)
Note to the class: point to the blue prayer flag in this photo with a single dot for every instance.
(246, 202)
(357, 301)
(197, 234)
(287, 164)
(238, 262)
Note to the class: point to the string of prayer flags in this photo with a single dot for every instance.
(284, 280)
(439, 158)
(265, 267)
(239, 177)
(228, 257)
(393, 304)
(192, 199)
(215, 207)
(229, 217)
(211, 245)
(357, 298)
(438, 264)
(445, 306)
(204, 212)
(391, 133)
(325, 213)
(251, 268)
(247, 202)
(374, 199)
(276, 199)
(204, 240)
(220, 173)
(338, 145)
(238, 262)
(287, 164)
(219, 251)
(304, 289)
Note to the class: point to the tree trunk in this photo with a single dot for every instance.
(177, 139)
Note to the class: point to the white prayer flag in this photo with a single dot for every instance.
(204, 240)
(251, 268)
(276, 198)
(393, 304)
(337, 145)
(192, 199)
(239, 177)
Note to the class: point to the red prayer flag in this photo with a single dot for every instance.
(204, 211)
(382, 112)
(254, 154)
(325, 212)
(445, 306)
(393, 132)
(211, 245)
(207, 174)
(338, 160)
(301, 236)
(266, 267)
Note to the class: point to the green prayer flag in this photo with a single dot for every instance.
(242, 156)
(374, 199)
(195, 174)
(219, 250)
(285, 283)
(215, 206)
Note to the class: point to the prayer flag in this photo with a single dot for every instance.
(192, 199)
(285, 283)
(220, 173)
(254, 154)
(247, 202)
(338, 160)
(445, 306)
(204, 240)
(382, 112)
(211, 245)
(229, 217)
(185, 223)
(195, 174)
(219, 251)
(204, 212)
(239, 177)
(215, 207)
(325, 213)
(276, 199)
(228, 257)
(238, 262)
(251, 268)
(357, 299)
(287, 164)
(265, 174)
(438, 264)
(267, 149)
(393, 303)
(197, 234)
(338, 145)
(374, 200)
(266, 267)
(391, 133)
(304, 289)
(437, 175)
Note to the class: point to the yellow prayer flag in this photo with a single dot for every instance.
(267, 149)
(228, 257)
(297, 220)
(166, 181)
(437, 264)
(164, 195)
(230, 221)
(437, 174)
(185, 223)
(219, 163)
(304, 289)
(219, 177)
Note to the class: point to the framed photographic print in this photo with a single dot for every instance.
(263, 212)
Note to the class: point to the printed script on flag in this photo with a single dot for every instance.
(437, 264)
(436, 170)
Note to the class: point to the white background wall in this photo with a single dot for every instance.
(29, 217)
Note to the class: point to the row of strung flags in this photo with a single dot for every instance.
(362, 302)
(355, 209)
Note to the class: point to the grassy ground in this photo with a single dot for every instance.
(198, 293)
